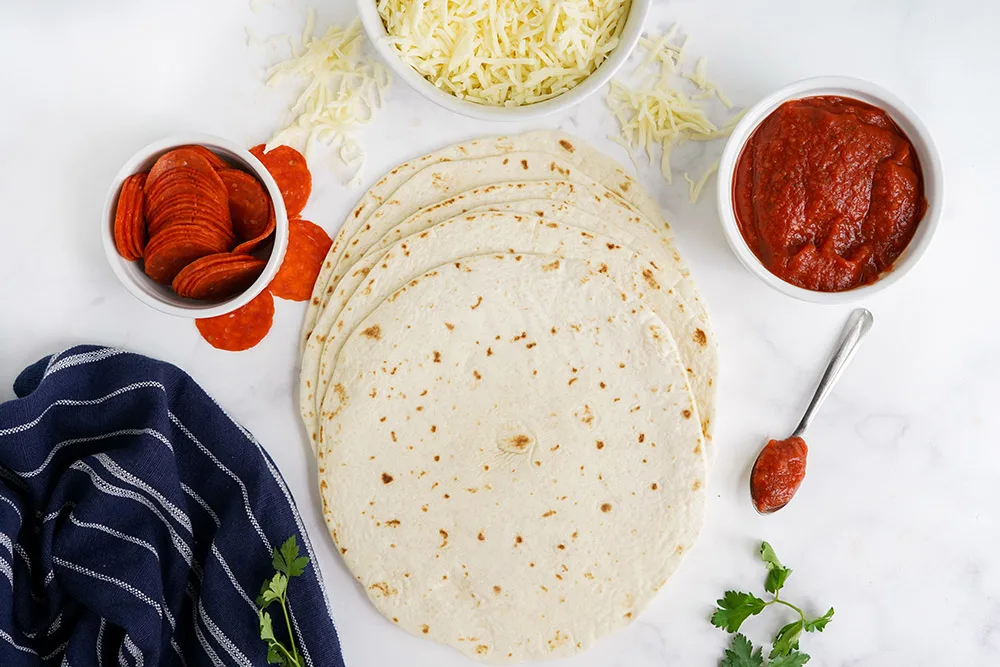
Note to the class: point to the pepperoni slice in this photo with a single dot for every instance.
(250, 246)
(289, 169)
(217, 162)
(130, 223)
(248, 204)
(241, 329)
(182, 158)
(218, 277)
(307, 248)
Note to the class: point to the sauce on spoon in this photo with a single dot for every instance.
(778, 473)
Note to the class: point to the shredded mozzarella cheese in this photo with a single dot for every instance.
(504, 52)
(343, 90)
(659, 113)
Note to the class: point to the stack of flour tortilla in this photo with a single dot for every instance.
(507, 378)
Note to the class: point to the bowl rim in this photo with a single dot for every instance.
(147, 293)
(864, 91)
(632, 31)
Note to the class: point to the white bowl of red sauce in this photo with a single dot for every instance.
(830, 189)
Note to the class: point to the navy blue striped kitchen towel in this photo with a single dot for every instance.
(137, 522)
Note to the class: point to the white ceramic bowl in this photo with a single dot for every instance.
(905, 118)
(161, 297)
(372, 22)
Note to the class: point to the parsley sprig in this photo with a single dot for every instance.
(735, 607)
(287, 564)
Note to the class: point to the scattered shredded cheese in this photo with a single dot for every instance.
(658, 113)
(504, 52)
(343, 90)
(697, 187)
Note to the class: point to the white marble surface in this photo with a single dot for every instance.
(898, 524)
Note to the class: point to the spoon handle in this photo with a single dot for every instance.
(858, 325)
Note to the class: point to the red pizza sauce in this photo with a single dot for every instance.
(828, 192)
(778, 473)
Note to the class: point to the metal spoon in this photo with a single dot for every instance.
(858, 325)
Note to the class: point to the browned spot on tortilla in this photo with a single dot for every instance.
(392, 434)
(437, 458)
(518, 540)
(560, 547)
(696, 485)
(392, 523)
(384, 588)
(386, 478)
(449, 326)
(605, 507)
(602, 385)
(489, 352)
(437, 357)
(482, 649)
(686, 414)
(600, 444)
(700, 337)
(444, 537)
(425, 629)
(654, 486)
(571, 381)
(519, 441)
(554, 331)
(565, 144)
(642, 437)
(680, 549)
(650, 280)
(374, 332)
(497, 590)
(612, 246)
(551, 266)
(434, 428)
(524, 164)
(478, 301)
(481, 537)
(548, 514)
(506, 160)
(628, 614)
(476, 375)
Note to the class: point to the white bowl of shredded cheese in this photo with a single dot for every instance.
(505, 59)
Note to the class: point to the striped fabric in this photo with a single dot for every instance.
(137, 521)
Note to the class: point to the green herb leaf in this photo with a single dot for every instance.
(741, 653)
(819, 624)
(777, 573)
(287, 560)
(787, 639)
(734, 608)
(287, 563)
(261, 602)
(793, 659)
(275, 656)
(266, 629)
(276, 589)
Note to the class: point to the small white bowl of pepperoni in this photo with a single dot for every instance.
(194, 226)
(830, 189)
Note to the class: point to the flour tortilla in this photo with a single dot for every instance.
(559, 144)
(604, 247)
(438, 182)
(435, 182)
(506, 466)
